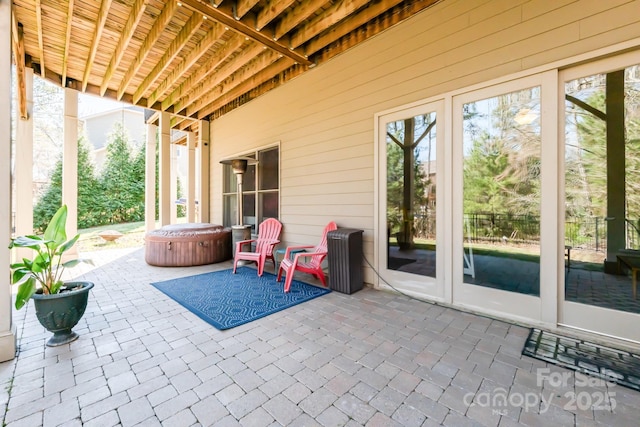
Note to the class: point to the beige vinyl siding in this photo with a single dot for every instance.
(324, 119)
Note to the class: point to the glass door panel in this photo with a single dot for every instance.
(410, 147)
(501, 187)
(411, 194)
(497, 185)
(602, 197)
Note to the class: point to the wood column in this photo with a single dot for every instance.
(150, 178)
(164, 170)
(70, 164)
(204, 178)
(7, 328)
(191, 177)
(616, 188)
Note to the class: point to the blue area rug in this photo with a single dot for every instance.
(226, 300)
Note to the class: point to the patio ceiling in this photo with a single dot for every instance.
(195, 59)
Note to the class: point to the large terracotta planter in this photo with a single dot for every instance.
(60, 312)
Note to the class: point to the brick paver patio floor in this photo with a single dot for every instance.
(371, 358)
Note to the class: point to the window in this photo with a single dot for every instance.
(260, 192)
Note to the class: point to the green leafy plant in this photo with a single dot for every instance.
(46, 268)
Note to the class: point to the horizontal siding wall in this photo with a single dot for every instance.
(323, 120)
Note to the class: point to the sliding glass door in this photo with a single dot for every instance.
(498, 134)
(600, 116)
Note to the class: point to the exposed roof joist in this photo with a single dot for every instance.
(127, 33)
(244, 28)
(193, 58)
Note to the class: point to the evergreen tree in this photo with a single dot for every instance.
(89, 213)
(118, 180)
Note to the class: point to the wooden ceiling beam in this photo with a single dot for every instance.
(202, 87)
(226, 95)
(153, 36)
(18, 56)
(67, 41)
(333, 15)
(189, 29)
(348, 25)
(137, 12)
(201, 48)
(233, 44)
(296, 16)
(40, 37)
(245, 28)
(97, 34)
(218, 88)
(243, 6)
(271, 11)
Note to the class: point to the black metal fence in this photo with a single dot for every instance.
(583, 233)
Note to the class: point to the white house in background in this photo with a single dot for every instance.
(98, 127)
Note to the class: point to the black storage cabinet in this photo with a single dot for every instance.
(345, 260)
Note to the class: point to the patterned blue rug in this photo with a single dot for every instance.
(226, 300)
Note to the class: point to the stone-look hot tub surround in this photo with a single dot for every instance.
(185, 245)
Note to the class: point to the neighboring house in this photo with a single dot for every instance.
(99, 126)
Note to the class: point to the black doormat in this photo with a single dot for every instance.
(608, 363)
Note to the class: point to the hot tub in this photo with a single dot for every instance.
(185, 245)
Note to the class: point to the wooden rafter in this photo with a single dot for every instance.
(223, 83)
(40, 37)
(17, 41)
(271, 11)
(127, 34)
(205, 70)
(203, 46)
(315, 26)
(162, 55)
(345, 27)
(153, 36)
(298, 14)
(97, 34)
(67, 42)
(201, 89)
(224, 97)
(244, 6)
(244, 27)
(189, 29)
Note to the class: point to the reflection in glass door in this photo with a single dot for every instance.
(602, 197)
(501, 191)
(410, 147)
(411, 194)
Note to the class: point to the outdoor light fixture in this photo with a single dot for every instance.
(239, 166)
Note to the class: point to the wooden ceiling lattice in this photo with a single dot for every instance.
(195, 59)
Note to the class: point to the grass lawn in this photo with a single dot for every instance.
(133, 236)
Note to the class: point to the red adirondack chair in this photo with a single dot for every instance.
(268, 237)
(314, 257)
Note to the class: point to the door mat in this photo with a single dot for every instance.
(608, 363)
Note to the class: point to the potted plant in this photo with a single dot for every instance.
(59, 305)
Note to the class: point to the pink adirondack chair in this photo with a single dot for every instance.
(314, 257)
(268, 238)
